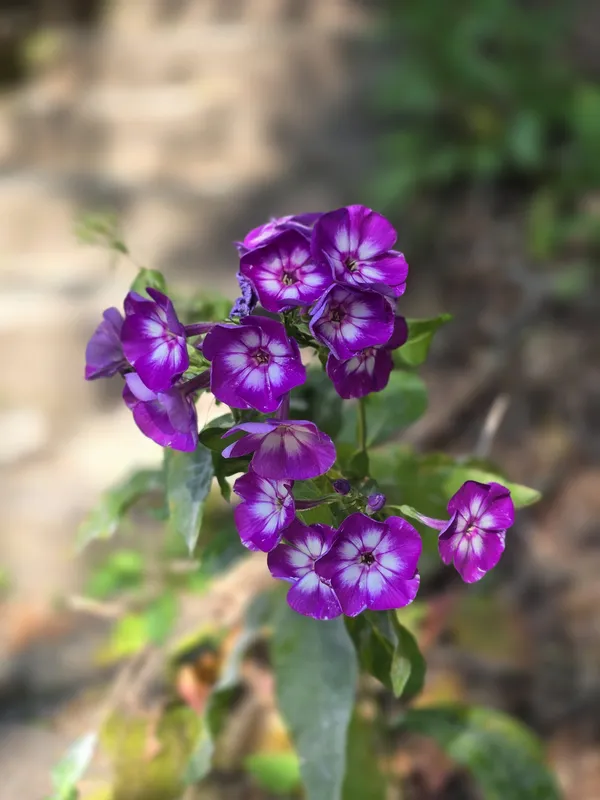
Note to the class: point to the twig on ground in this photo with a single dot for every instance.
(492, 423)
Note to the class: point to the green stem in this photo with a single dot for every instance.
(361, 430)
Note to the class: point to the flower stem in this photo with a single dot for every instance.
(361, 427)
(283, 412)
(201, 381)
(197, 328)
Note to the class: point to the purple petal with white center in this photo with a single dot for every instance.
(253, 365)
(154, 340)
(294, 561)
(294, 449)
(303, 546)
(489, 505)
(284, 273)
(268, 509)
(348, 320)
(314, 597)
(373, 564)
(357, 243)
(474, 537)
(104, 355)
(168, 418)
(260, 236)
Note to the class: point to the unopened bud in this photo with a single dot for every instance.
(341, 486)
(375, 502)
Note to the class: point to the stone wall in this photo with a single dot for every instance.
(195, 120)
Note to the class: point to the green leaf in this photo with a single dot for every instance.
(100, 228)
(188, 478)
(420, 336)
(522, 496)
(139, 774)
(374, 641)
(122, 570)
(504, 757)
(363, 779)
(388, 652)
(526, 139)
(212, 435)
(103, 521)
(542, 225)
(148, 279)
(399, 405)
(316, 674)
(278, 773)
(358, 467)
(71, 768)
(318, 401)
(311, 490)
(160, 617)
(408, 667)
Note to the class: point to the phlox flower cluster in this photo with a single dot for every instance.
(337, 278)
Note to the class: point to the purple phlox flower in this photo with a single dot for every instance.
(357, 243)
(154, 340)
(293, 449)
(368, 370)
(375, 502)
(253, 365)
(104, 355)
(294, 561)
(473, 538)
(341, 486)
(168, 418)
(373, 564)
(260, 236)
(284, 272)
(246, 303)
(266, 511)
(348, 320)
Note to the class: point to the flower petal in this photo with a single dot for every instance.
(312, 597)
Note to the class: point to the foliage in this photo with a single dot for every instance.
(316, 673)
(349, 492)
(486, 92)
(504, 757)
(67, 773)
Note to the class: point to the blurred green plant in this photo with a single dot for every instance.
(484, 90)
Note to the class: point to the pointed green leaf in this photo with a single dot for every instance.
(504, 757)
(388, 652)
(408, 666)
(188, 479)
(521, 495)
(149, 278)
(71, 768)
(388, 412)
(103, 521)
(364, 779)
(212, 435)
(420, 335)
(316, 673)
(278, 773)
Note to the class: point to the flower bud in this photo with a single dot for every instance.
(341, 486)
(375, 502)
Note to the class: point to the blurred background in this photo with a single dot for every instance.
(475, 126)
